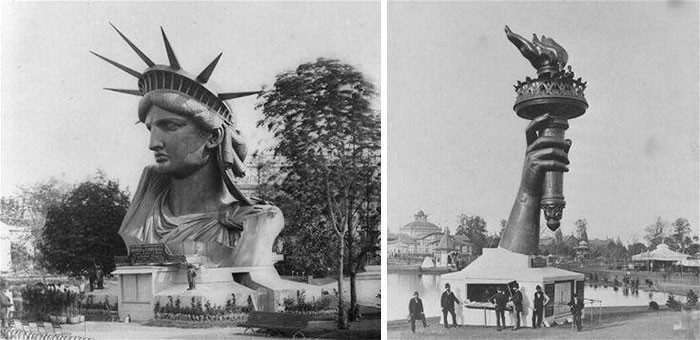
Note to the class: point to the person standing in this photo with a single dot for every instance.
(500, 299)
(415, 310)
(576, 305)
(5, 305)
(517, 305)
(191, 274)
(11, 309)
(541, 299)
(447, 302)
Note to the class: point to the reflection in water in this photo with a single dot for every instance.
(401, 286)
(428, 280)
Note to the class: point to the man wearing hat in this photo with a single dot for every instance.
(540, 300)
(576, 305)
(500, 299)
(517, 299)
(415, 310)
(447, 302)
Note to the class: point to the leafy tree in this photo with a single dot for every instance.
(636, 248)
(28, 209)
(21, 258)
(474, 227)
(329, 136)
(680, 236)
(656, 233)
(81, 231)
(581, 226)
(503, 228)
(12, 211)
(308, 245)
(616, 251)
(560, 246)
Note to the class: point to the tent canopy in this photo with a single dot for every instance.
(661, 253)
(499, 266)
(689, 263)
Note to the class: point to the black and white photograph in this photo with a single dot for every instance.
(190, 170)
(542, 167)
(361, 169)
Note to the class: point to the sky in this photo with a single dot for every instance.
(56, 119)
(455, 145)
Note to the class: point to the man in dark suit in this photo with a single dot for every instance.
(517, 305)
(500, 299)
(576, 305)
(447, 302)
(415, 310)
(540, 300)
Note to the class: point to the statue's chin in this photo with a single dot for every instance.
(181, 172)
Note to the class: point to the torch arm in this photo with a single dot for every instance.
(522, 231)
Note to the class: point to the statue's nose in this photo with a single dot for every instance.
(155, 142)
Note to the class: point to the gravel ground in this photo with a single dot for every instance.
(365, 329)
(642, 325)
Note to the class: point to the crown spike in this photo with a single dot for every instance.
(171, 55)
(233, 95)
(204, 76)
(118, 65)
(134, 92)
(143, 57)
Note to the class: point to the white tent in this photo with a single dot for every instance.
(427, 263)
(689, 263)
(498, 267)
(661, 253)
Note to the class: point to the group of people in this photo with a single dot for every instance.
(502, 302)
(447, 302)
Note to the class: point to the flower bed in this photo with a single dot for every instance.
(316, 309)
(56, 304)
(202, 313)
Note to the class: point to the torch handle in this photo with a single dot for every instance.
(552, 201)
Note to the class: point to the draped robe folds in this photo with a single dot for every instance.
(211, 235)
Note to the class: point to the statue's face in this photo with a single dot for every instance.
(177, 143)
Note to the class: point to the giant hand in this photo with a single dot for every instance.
(543, 154)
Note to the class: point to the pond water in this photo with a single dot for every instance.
(401, 286)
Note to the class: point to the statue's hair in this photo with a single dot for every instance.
(181, 104)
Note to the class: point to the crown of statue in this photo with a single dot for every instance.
(172, 77)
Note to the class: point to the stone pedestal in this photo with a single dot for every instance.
(497, 267)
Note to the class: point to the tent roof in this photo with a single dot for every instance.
(689, 263)
(661, 253)
(445, 241)
(498, 265)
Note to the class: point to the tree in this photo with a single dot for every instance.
(503, 223)
(636, 248)
(474, 227)
(81, 231)
(329, 136)
(29, 209)
(680, 234)
(21, 258)
(581, 226)
(308, 246)
(560, 247)
(656, 233)
(616, 251)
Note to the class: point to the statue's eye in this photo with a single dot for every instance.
(170, 126)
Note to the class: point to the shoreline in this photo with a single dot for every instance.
(677, 286)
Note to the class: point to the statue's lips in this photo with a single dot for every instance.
(160, 158)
